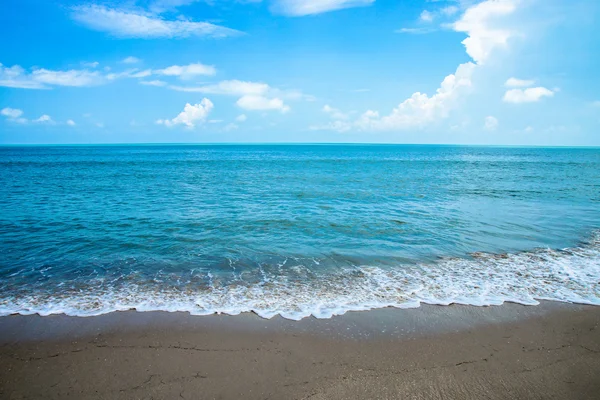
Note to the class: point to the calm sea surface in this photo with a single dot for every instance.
(295, 230)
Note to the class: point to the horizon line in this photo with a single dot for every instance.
(292, 144)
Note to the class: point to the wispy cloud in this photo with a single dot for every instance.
(514, 82)
(258, 103)
(416, 31)
(298, 8)
(131, 60)
(230, 87)
(135, 23)
(187, 71)
(154, 83)
(93, 64)
(41, 78)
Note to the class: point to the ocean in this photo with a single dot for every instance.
(295, 230)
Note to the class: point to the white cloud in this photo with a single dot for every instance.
(44, 119)
(421, 109)
(12, 113)
(141, 74)
(232, 87)
(66, 78)
(70, 122)
(491, 123)
(124, 23)
(41, 78)
(16, 77)
(255, 102)
(131, 60)
(334, 112)
(297, 8)
(477, 23)
(449, 10)
(415, 31)
(187, 71)
(426, 16)
(514, 82)
(241, 118)
(154, 83)
(530, 95)
(90, 64)
(596, 103)
(191, 114)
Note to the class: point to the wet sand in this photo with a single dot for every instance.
(551, 351)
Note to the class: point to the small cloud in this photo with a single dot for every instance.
(449, 11)
(596, 103)
(530, 95)
(11, 113)
(299, 8)
(70, 122)
(187, 71)
(41, 78)
(491, 123)
(141, 74)
(427, 16)
(90, 64)
(241, 118)
(415, 31)
(191, 114)
(154, 83)
(255, 103)
(44, 119)
(215, 121)
(231, 87)
(131, 60)
(514, 82)
(99, 124)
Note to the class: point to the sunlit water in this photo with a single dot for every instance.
(295, 230)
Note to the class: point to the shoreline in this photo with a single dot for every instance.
(393, 322)
(509, 351)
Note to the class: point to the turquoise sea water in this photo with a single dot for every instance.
(295, 230)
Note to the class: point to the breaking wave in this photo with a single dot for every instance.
(299, 291)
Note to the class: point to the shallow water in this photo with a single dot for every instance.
(295, 230)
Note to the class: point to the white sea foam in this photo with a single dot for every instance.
(569, 275)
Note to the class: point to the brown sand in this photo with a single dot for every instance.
(507, 352)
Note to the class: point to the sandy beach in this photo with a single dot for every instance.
(455, 352)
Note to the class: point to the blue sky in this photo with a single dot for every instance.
(432, 71)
